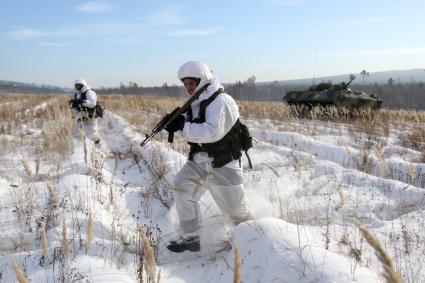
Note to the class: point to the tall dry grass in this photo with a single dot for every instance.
(42, 122)
(390, 274)
(148, 256)
(89, 229)
(415, 139)
(144, 112)
(65, 244)
(44, 241)
(236, 264)
(20, 276)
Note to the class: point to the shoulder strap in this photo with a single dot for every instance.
(249, 159)
(190, 114)
(82, 95)
(202, 107)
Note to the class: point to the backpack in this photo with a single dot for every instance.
(98, 109)
(239, 135)
(245, 137)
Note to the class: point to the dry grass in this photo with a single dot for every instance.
(415, 140)
(236, 265)
(27, 168)
(53, 198)
(144, 112)
(140, 111)
(44, 241)
(65, 244)
(390, 274)
(89, 229)
(149, 256)
(39, 121)
(20, 276)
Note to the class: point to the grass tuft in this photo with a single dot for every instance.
(390, 274)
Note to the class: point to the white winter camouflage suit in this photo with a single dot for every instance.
(226, 183)
(82, 121)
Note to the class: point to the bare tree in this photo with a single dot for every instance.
(364, 74)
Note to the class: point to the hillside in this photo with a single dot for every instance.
(399, 76)
(18, 87)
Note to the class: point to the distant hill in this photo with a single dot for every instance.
(18, 87)
(399, 76)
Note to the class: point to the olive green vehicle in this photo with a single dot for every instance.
(327, 94)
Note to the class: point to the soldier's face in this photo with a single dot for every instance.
(78, 87)
(190, 85)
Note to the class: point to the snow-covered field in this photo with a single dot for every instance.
(311, 183)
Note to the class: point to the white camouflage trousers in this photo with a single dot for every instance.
(225, 185)
(89, 127)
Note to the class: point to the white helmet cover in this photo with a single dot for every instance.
(195, 69)
(81, 82)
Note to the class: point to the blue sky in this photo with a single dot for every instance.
(108, 42)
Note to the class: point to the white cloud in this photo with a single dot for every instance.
(75, 30)
(195, 32)
(167, 16)
(95, 7)
(102, 28)
(27, 33)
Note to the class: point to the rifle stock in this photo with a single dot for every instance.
(172, 116)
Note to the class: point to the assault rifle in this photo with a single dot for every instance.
(172, 116)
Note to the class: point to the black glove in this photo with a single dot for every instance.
(175, 125)
(75, 103)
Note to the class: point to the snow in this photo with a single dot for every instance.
(283, 254)
(305, 192)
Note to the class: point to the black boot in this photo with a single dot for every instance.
(185, 244)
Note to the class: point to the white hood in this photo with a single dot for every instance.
(82, 82)
(91, 97)
(211, 89)
(195, 69)
(220, 115)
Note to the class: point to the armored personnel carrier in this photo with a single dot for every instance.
(328, 94)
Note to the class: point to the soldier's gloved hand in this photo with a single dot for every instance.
(73, 103)
(78, 103)
(175, 125)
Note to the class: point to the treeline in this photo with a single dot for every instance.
(398, 95)
(133, 89)
(394, 94)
